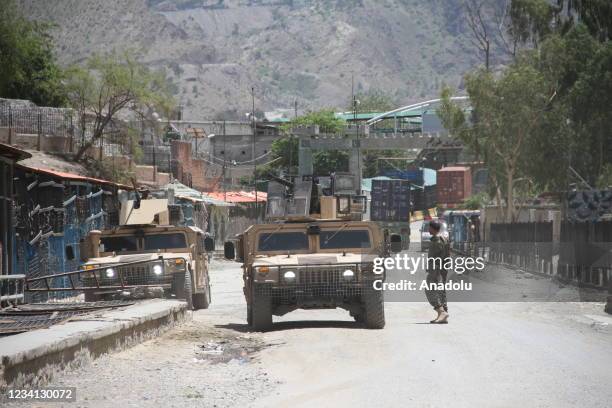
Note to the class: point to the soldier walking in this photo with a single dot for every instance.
(436, 273)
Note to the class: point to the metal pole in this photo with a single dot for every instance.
(154, 152)
(10, 135)
(39, 132)
(291, 142)
(71, 133)
(224, 161)
(254, 161)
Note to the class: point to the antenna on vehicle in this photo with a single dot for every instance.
(136, 204)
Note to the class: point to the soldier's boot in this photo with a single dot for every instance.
(443, 317)
(439, 310)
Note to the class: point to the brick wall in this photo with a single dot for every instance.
(186, 169)
(145, 174)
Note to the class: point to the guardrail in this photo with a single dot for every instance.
(11, 289)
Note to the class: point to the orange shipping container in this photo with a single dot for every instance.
(454, 184)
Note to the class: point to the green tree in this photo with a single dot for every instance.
(284, 151)
(596, 15)
(325, 119)
(530, 22)
(545, 121)
(110, 84)
(509, 111)
(590, 99)
(28, 69)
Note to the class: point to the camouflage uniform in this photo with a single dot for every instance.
(438, 249)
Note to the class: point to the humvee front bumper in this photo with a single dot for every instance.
(316, 281)
(158, 273)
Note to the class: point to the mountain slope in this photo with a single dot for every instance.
(306, 50)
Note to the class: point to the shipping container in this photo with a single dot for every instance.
(424, 198)
(454, 184)
(390, 200)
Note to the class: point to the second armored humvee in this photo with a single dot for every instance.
(320, 264)
(133, 260)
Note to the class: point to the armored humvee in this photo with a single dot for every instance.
(142, 260)
(310, 262)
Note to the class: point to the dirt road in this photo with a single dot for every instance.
(490, 355)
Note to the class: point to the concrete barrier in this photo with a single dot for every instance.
(31, 358)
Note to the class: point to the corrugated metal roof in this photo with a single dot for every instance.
(185, 192)
(409, 113)
(239, 196)
(453, 168)
(13, 152)
(74, 177)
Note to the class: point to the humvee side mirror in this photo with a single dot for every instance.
(229, 250)
(209, 244)
(396, 243)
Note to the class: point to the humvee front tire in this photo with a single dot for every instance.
(374, 309)
(202, 300)
(183, 288)
(261, 309)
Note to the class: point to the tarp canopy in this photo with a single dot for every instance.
(183, 191)
(366, 183)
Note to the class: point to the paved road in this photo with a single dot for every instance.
(538, 354)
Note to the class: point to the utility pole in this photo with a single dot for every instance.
(357, 141)
(254, 161)
(224, 161)
(353, 96)
(295, 114)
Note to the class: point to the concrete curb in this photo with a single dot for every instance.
(31, 358)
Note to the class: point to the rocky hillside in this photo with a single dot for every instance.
(302, 49)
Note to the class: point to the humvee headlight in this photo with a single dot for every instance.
(348, 274)
(110, 272)
(289, 276)
(158, 270)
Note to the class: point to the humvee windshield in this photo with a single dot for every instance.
(164, 241)
(153, 242)
(118, 244)
(283, 241)
(337, 239)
